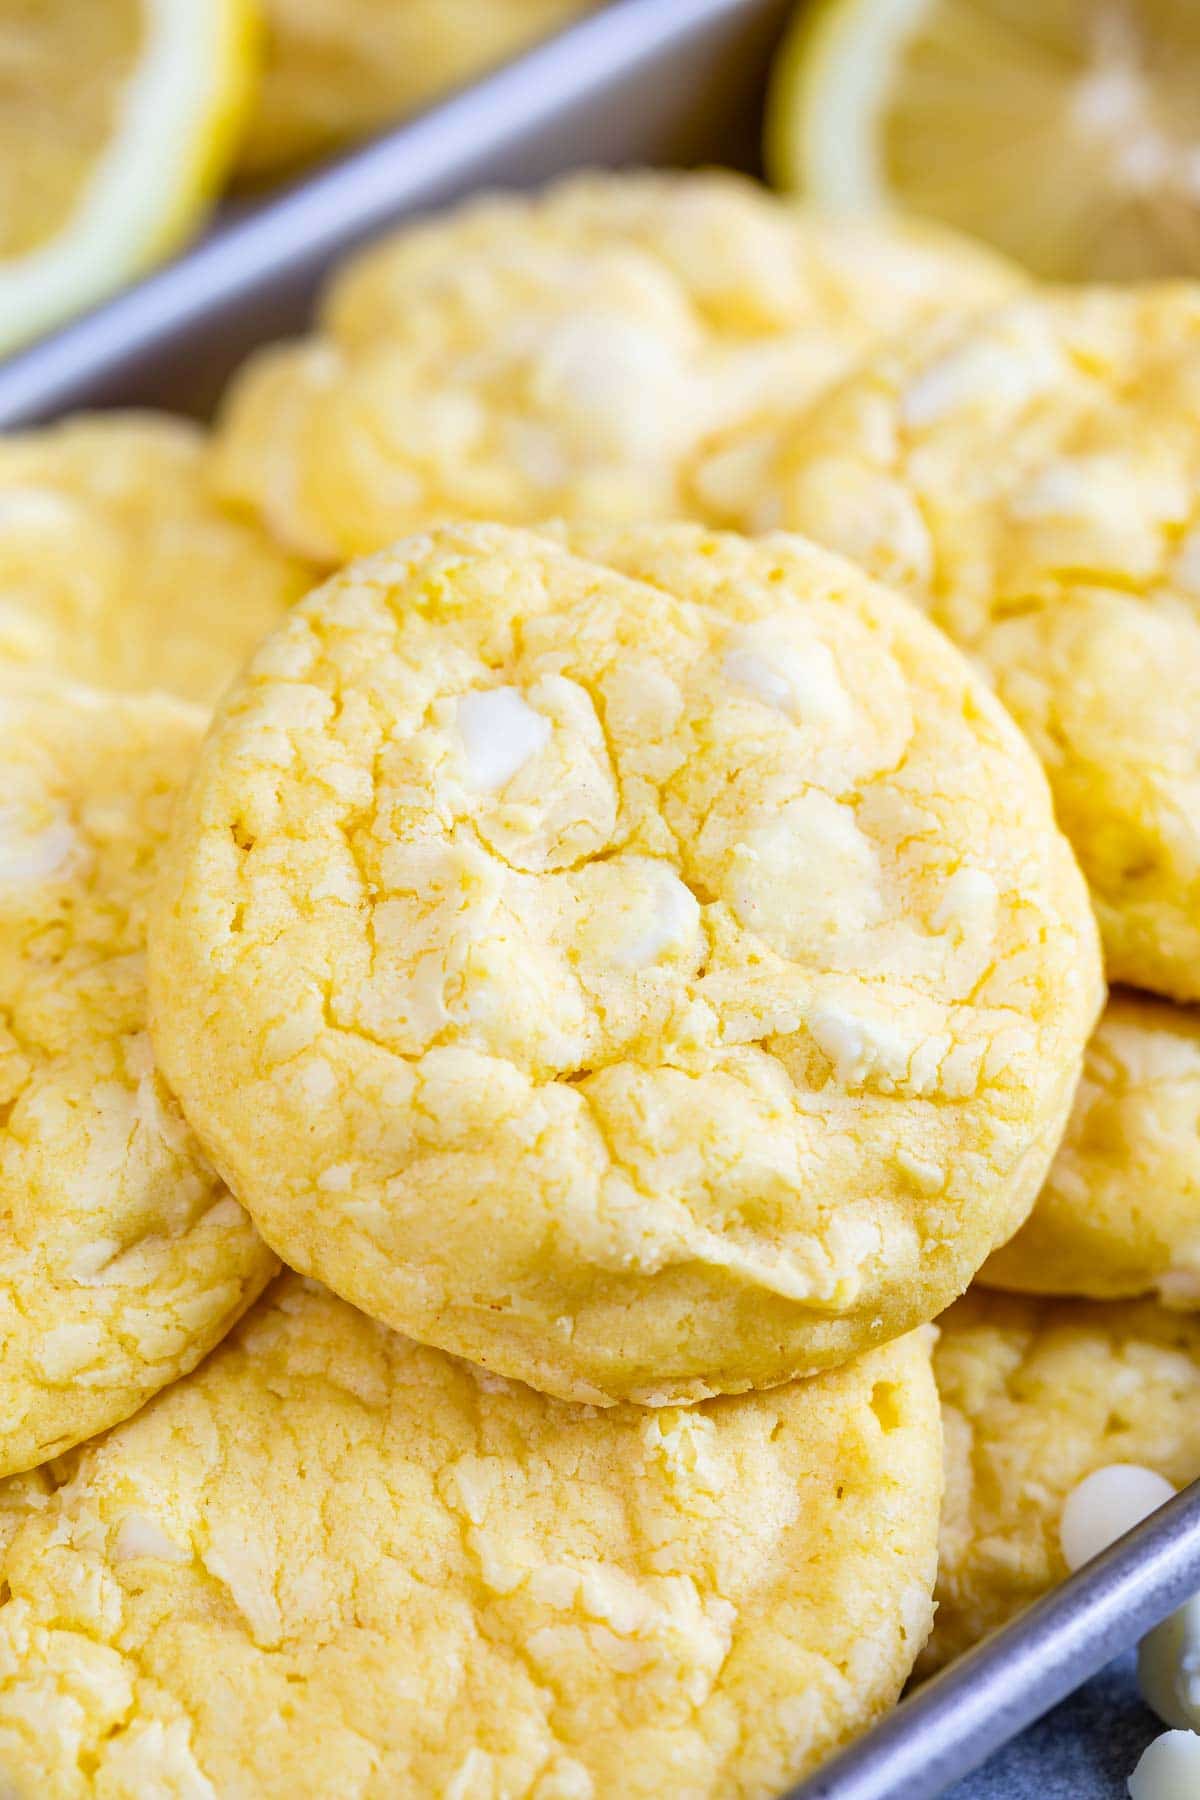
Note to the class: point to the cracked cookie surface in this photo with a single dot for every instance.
(1032, 478)
(1120, 1212)
(332, 1561)
(649, 969)
(566, 355)
(124, 1258)
(1036, 1394)
(118, 567)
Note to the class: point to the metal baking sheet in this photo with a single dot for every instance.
(639, 81)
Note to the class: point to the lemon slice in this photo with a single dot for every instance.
(1066, 132)
(118, 122)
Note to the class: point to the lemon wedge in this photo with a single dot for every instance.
(118, 122)
(1066, 132)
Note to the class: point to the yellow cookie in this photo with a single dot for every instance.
(566, 355)
(29, 1493)
(1037, 1394)
(122, 1257)
(332, 1562)
(336, 70)
(1032, 477)
(1120, 1212)
(649, 971)
(117, 567)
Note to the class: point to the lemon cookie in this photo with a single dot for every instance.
(1120, 1212)
(565, 355)
(335, 1562)
(649, 970)
(116, 566)
(1032, 477)
(122, 1257)
(1037, 1395)
(335, 70)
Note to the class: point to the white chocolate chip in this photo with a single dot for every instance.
(868, 516)
(67, 1349)
(1062, 488)
(1169, 1769)
(978, 374)
(633, 913)
(669, 920)
(139, 1537)
(565, 1779)
(225, 1214)
(27, 857)
(859, 1048)
(467, 1485)
(806, 875)
(1105, 1505)
(1080, 487)
(500, 731)
(802, 683)
(930, 1177)
(748, 670)
(621, 387)
(336, 1179)
(152, 1758)
(968, 898)
(560, 808)
(36, 509)
(1169, 1667)
(500, 1571)
(1110, 96)
(473, 1777)
(318, 1082)
(246, 1571)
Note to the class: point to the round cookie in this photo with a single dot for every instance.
(565, 355)
(118, 567)
(334, 1562)
(1120, 1212)
(123, 1259)
(1032, 478)
(649, 970)
(336, 70)
(1036, 1394)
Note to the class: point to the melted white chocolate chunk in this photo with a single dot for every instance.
(500, 732)
(1169, 1769)
(1105, 1505)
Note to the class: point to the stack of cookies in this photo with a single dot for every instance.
(635, 969)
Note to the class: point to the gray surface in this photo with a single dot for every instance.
(673, 81)
(1084, 1750)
